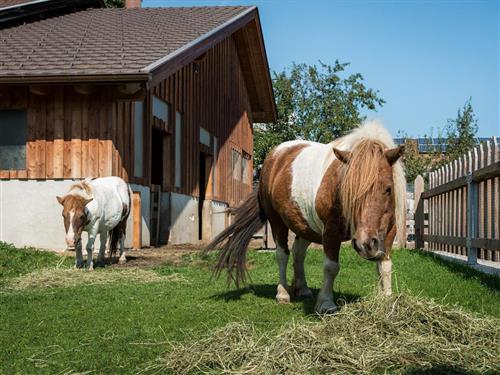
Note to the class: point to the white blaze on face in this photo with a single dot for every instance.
(70, 235)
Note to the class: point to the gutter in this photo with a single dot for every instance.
(91, 78)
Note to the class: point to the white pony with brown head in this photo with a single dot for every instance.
(98, 207)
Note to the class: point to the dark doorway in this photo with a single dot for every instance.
(203, 191)
(157, 157)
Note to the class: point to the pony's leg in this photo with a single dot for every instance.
(102, 248)
(384, 267)
(282, 254)
(90, 250)
(123, 258)
(79, 255)
(280, 232)
(299, 284)
(331, 244)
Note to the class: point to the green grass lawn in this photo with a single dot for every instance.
(121, 327)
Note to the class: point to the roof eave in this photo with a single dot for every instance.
(75, 78)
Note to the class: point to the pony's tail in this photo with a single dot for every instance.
(119, 231)
(249, 218)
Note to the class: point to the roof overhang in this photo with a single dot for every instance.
(246, 30)
(86, 78)
(247, 33)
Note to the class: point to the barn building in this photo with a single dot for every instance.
(163, 97)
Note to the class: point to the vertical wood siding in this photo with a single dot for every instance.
(215, 98)
(71, 135)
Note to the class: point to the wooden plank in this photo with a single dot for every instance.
(49, 137)
(76, 137)
(85, 172)
(93, 159)
(136, 220)
(68, 109)
(495, 203)
(446, 240)
(58, 153)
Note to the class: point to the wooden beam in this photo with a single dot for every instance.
(40, 90)
(83, 89)
(479, 175)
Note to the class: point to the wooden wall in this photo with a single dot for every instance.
(71, 135)
(211, 93)
(76, 135)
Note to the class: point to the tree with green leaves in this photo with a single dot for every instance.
(114, 3)
(461, 132)
(316, 103)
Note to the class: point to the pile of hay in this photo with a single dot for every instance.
(69, 277)
(399, 335)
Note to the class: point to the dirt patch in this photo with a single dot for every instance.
(149, 257)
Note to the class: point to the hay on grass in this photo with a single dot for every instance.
(69, 277)
(375, 335)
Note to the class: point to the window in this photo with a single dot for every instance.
(178, 148)
(13, 127)
(214, 169)
(138, 139)
(160, 109)
(236, 164)
(245, 164)
(204, 137)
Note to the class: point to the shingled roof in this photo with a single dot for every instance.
(105, 41)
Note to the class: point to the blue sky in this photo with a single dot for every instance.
(426, 58)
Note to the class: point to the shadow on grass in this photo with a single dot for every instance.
(490, 281)
(269, 291)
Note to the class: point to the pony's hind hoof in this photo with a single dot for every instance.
(327, 307)
(303, 293)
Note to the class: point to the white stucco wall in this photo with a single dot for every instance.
(218, 213)
(184, 219)
(31, 216)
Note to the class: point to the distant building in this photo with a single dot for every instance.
(429, 145)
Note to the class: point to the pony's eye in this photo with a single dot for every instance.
(388, 191)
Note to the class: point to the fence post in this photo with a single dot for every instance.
(472, 219)
(419, 212)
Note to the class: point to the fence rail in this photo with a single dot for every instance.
(459, 214)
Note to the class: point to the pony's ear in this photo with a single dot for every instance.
(60, 200)
(343, 155)
(394, 154)
(87, 201)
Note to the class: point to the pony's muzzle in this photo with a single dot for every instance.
(368, 247)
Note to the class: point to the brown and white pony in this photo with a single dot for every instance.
(98, 207)
(352, 188)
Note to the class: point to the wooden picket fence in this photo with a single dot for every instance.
(459, 214)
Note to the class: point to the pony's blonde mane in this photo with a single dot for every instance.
(367, 144)
(81, 188)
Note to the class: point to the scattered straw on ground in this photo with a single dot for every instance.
(65, 277)
(376, 335)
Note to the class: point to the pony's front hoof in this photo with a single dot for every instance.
(122, 260)
(303, 293)
(79, 265)
(282, 295)
(326, 307)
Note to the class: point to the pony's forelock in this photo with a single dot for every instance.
(359, 177)
(361, 173)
